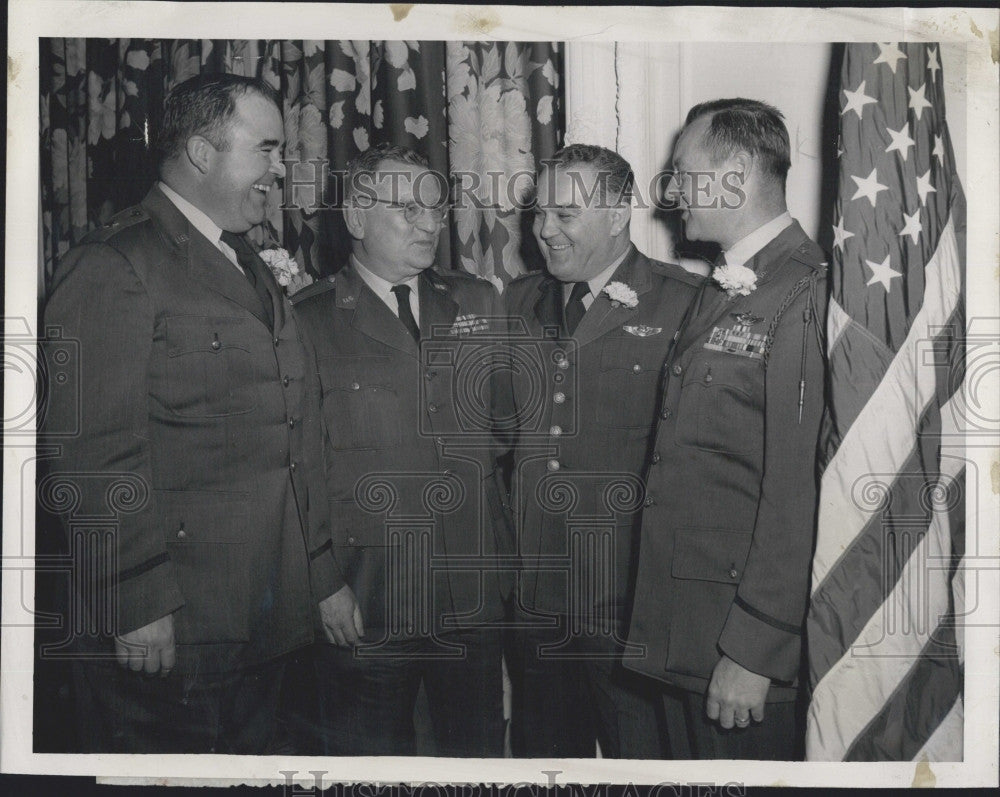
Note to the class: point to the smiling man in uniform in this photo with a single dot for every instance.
(198, 444)
(412, 491)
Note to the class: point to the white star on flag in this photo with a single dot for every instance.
(932, 62)
(889, 54)
(917, 100)
(857, 100)
(913, 227)
(939, 148)
(868, 187)
(901, 140)
(924, 186)
(840, 234)
(882, 273)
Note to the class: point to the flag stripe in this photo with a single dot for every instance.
(946, 742)
(881, 437)
(854, 690)
(900, 730)
(893, 497)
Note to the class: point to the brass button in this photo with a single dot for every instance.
(446, 472)
(555, 431)
(351, 540)
(432, 407)
(355, 386)
(708, 377)
(677, 370)
(285, 380)
(649, 501)
(557, 378)
(559, 398)
(552, 464)
(656, 457)
(216, 345)
(636, 368)
(429, 375)
(666, 413)
(293, 466)
(181, 534)
(439, 441)
(733, 573)
(291, 423)
(276, 341)
(563, 363)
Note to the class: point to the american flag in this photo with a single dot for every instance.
(885, 652)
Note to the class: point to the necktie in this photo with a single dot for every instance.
(574, 307)
(405, 313)
(251, 265)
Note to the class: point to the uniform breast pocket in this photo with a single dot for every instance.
(721, 406)
(628, 381)
(209, 370)
(361, 405)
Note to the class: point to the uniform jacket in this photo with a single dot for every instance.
(585, 428)
(196, 419)
(410, 451)
(727, 534)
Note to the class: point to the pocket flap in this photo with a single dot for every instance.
(192, 333)
(709, 554)
(351, 374)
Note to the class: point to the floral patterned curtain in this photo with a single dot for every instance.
(482, 113)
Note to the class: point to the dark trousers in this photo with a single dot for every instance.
(367, 695)
(692, 735)
(571, 691)
(120, 711)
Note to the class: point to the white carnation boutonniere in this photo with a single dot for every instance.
(467, 324)
(735, 280)
(621, 294)
(285, 269)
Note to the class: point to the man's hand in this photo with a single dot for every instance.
(150, 648)
(735, 694)
(342, 618)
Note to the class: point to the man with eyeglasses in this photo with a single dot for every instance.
(416, 516)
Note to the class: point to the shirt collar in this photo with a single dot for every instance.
(745, 248)
(198, 219)
(380, 286)
(596, 284)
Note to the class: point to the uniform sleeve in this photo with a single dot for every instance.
(102, 304)
(764, 627)
(324, 572)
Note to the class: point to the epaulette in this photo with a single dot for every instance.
(526, 275)
(120, 221)
(318, 287)
(677, 272)
(809, 254)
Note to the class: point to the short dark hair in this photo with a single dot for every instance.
(368, 162)
(617, 177)
(204, 105)
(750, 125)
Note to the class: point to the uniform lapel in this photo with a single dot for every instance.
(205, 263)
(370, 315)
(548, 308)
(714, 303)
(603, 315)
(438, 310)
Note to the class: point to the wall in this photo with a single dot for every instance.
(633, 97)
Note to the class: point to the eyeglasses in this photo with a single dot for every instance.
(412, 210)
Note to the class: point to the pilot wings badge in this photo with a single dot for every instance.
(641, 330)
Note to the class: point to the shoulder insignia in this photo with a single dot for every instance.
(676, 271)
(809, 254)
(120, 221)
(317, 288)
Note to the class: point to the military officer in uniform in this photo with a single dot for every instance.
(728, 526)
(602, 318)
(198, 445)
(418, 523)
